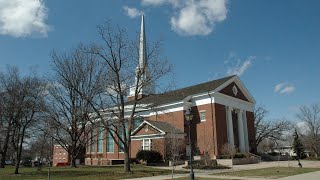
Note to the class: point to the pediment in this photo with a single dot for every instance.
(235, 88)
(146, 129)
(234, 91)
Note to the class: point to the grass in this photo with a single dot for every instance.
(272, 172)
(82, 172)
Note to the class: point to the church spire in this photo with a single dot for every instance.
(142, 46)
(143, 81)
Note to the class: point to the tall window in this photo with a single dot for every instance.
(92, 141)
(121, 145)
(100, 139)
(110, 142)
(146, 144)
(202, 115)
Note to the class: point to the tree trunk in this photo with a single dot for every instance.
(5, 147)
(73, 161)
(18, 159)
(127, 157)
(2, 160)
(19, 151)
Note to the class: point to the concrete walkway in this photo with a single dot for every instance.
(210, 173)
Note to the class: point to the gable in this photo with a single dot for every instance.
(233, 90)
(146, 129)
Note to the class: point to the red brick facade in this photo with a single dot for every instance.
(60, 155)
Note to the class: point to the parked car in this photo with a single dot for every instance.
(8, 162)
(26, 162)
(36, 164)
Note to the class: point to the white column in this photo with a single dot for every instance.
(230, 126)
(245, 129)
(241, 132)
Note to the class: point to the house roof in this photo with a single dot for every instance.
(180, 94)
(162, 127)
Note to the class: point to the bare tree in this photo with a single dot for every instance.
(268, 129)
(121, 57)
(229, 150)
(24, 105)
(311, 117)
(40, 146)
(75, 72)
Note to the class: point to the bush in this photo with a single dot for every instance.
(224, 157)
(239, 155)
(274, 153)
(149, 156)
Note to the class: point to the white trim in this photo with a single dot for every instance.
(164, 111)
(140, 138)
(147, 135)
(233, 102)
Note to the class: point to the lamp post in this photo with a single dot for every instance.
(188, 115)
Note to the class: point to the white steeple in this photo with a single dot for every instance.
(142, 67)
(142, 46)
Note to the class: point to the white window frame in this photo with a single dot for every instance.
(144, 147)
(205, 113)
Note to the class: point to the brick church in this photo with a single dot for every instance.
(223, 114)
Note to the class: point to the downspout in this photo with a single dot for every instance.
(214, 126)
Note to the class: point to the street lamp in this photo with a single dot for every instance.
(189, 116)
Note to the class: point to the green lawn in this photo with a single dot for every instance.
(83, 173)
(272, 172)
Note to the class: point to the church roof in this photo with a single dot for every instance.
(180, 94)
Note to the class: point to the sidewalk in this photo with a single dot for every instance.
(210, 173)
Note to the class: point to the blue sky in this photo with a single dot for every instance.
(274, 46)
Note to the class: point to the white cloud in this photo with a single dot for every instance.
(240, 67)
(284, 88)
(132, 12)
(20, 18)
(199, 18)
(194, 17)
(279, 86)
(153, 2)
(175, 3)
(287, 89)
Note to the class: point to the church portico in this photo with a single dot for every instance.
(241, 140)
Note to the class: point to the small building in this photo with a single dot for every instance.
(60, 155)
